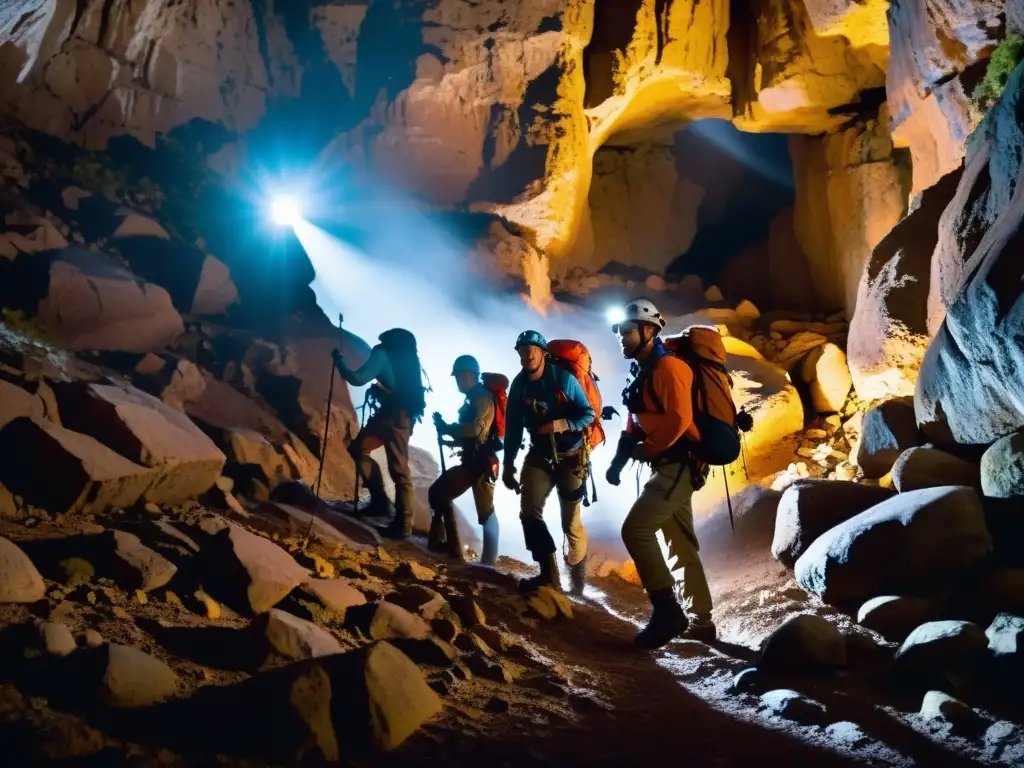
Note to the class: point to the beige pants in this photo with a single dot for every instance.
(538, 479)
(665, 505)
(393, 432)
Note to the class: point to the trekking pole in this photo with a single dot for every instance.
(728, 499)
(440, 450)
(359, 460)
(323, 443)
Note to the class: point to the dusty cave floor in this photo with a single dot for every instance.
(579, 692)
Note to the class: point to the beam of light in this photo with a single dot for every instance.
(286, 211)
(729, 139)
(615, 315)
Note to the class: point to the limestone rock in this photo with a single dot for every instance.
(969, 390)
(938, 646)
(937, 704)
(894, 617)
(1006, 642)
(336, 594)
(803, 642)
(83, 475)
(887, 431)
(928, 468)
(27, 233)
(800, 345)
(153, 569)
(792, 706)
(251, 450)
(132, 224)
(297, 638)
(810, 508)
(176, 382)
(916, 540)
(57, 638)
(890, 329)
(932, 44)
(826, 371)
(130, 677)
(15, 402)
(409, 569)
(20, 582)
(384, 621)
(1002, 468)
(421, 600)
(94, 303)
(248, 572)
(144, 429)
(216, 292)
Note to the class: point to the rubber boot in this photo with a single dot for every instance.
(548, 577)
(668, 620)
(454, 543)
(578, 577)
(489, 556)
(436, 540)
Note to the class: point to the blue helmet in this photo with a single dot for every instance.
(531, 337)
(466, 364)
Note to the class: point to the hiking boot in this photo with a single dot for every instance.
(548, 577)
(399, 528)
(436, 540)
(578, 577)
(668, 621)
(701, 629)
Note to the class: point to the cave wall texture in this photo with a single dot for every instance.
(557, 118)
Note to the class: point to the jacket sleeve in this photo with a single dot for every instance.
(580, 413)
(513, 422)
(671, 380)
(479, 426)
(367, 372)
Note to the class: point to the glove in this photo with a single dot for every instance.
(637, 454)
(439, 423)
(613, 475)
(508, 477)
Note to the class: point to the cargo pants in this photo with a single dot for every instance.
(474, 473)
(391, 430)
(538, 478)
(666, 505)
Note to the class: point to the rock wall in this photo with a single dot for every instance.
(851, 189)
(938, 52)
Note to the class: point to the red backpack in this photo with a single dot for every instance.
(574, 357)
(497, 385)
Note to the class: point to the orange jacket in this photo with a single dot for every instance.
(672, 382)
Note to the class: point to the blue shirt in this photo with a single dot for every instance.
(576, 411)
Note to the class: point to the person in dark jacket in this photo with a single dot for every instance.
(473, 434)
(549, 403)
(394, 367)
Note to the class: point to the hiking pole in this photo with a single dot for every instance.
(728, 499)
(323, 444)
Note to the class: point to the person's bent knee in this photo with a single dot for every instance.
(435, 495)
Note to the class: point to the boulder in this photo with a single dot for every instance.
(142, 428)
(938, 647)
(27, 233)
(912, 542)
(886, 431)
(421, 600)
(174, 380)
(803, 642)
(386, 621)
(122, 676)
(249, 573)
(15, 402)
(1006, 642)
(894, 618)
(793, 706)
(20, 582)
(810, 508)
(939, 705)
(56, 638)
(826, 371)
(82, 474)
(1002, 467)
(132, 224)
(969, 389)
(337, 595)
(797, 348)
(331, 709)
(216, 291)
(253, 452)
(152, 569)
(918, 468)
(297, 638)
(889, 331)
(92, 302)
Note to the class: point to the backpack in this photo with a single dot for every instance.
(714, 412)
(409, 394)
(497, 385)
(574, 357)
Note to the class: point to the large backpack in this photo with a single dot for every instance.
(409, 394)
(574, 357)
(714, 412)
(497, 385)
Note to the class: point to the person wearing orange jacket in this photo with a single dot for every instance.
(659, 431)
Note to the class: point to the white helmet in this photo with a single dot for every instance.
(640, 311)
